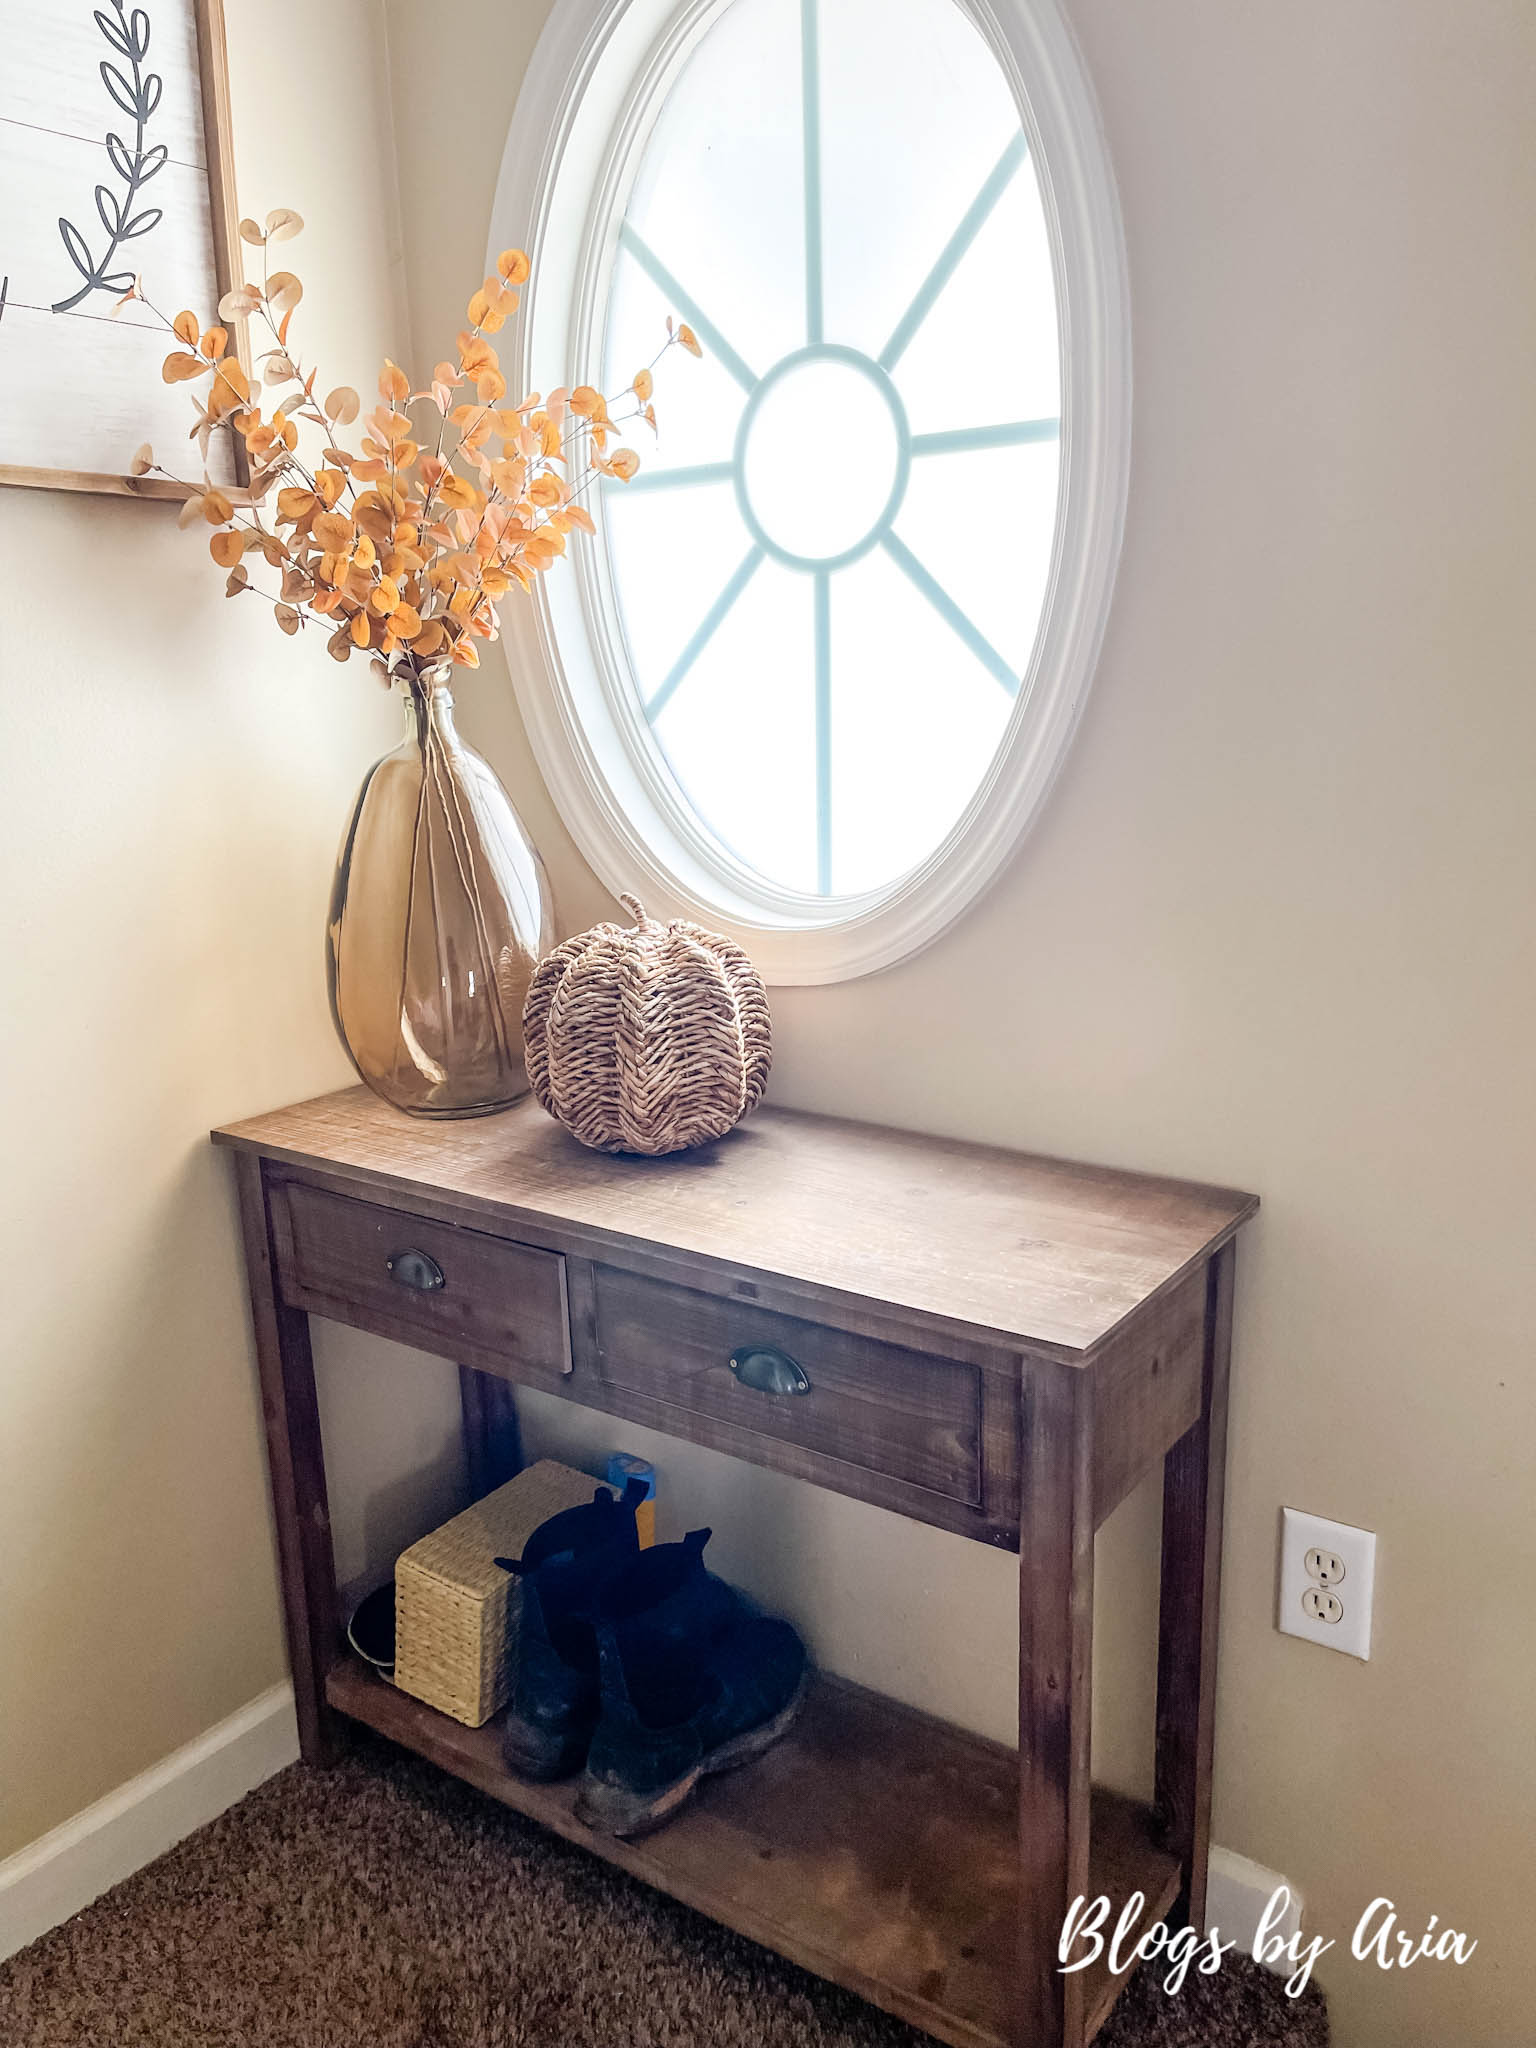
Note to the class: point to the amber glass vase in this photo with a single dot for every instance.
(439, 915)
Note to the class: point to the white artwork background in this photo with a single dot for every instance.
(80, 390)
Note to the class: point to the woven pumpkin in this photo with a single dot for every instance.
(647, 1040)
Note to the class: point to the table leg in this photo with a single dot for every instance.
(493, 1449)
(296, 1463)
(1194, 1477)
(1055, 1696)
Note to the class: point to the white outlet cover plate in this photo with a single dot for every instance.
(1355, 1591)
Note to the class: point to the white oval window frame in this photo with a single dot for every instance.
(595, 82)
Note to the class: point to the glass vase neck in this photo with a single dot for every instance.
(427, 705)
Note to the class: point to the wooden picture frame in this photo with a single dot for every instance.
(213, 105)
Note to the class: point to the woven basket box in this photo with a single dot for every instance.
(456, 1611)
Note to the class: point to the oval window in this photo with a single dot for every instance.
(805, 676)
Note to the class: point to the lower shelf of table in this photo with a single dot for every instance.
(873, 1845)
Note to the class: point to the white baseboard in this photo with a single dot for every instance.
(1236, 1894)
(55, 1876)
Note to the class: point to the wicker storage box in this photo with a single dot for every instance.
(456, 1610)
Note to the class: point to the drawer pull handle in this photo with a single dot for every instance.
(415, 1269)
(769, 1371)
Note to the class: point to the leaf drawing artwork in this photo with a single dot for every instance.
(104, 177)
(136, 91)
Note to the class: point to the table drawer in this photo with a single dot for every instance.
(914, 1419)
(475, 1298)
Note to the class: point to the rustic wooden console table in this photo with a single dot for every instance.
(994, 1344)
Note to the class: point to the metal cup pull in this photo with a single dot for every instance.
(769, 1371)
(415, 1269)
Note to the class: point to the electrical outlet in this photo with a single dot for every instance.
(1327, 1580)
(1326, 1567)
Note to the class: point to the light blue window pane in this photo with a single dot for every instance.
(916, 718)
(670, 562)
(739, 731)
(915, 115)
(719, 193)
(831, 570)
(988, 350)
(700, 405)
(994, 559)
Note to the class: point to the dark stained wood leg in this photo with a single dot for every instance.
(1194, 1480)
(1055, 1696)
(493, 1448)
(296, 1463)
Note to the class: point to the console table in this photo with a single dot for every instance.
(995, 1344)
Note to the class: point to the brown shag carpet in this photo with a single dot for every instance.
(384, 1905)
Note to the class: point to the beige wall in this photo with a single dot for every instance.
(175, 778)
(1275, 928)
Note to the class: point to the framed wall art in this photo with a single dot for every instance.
(115, 162)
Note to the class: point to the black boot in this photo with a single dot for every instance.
(565, 1563)
(693, 1682)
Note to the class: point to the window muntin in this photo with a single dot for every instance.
(830, 577)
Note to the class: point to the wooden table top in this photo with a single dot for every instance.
(1000, 1245)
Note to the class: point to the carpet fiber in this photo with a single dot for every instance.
(383, 1905)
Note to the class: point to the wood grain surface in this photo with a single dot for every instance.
(874, 1845)
(917, 1418)
(290, 1412)
(1194, 1490)
(1033, 1252)
(501, 1306)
